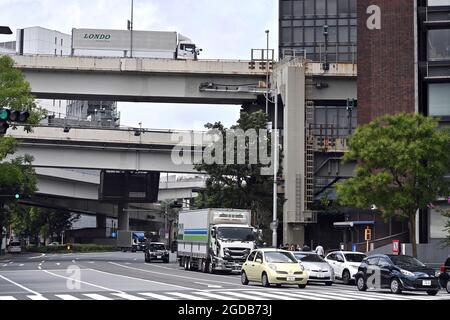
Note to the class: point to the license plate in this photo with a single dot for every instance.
(320, 275)
(426, 283)
(158, 257)
(290, 278)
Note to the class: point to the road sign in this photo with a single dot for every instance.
(396, 247)
(274, 225)
(354, 249)
(368, 234)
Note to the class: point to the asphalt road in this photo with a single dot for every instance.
(125, 276)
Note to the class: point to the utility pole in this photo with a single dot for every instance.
(275, 173)
(131, 28)
(267, 73)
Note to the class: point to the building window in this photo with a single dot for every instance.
(439, 45)
(286, 8)
(56, 40)
(433, 3)
(437, 225)
(61, 42)
(438, 99)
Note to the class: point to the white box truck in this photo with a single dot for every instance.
(143, 44)
(131, 240)
(211, 240)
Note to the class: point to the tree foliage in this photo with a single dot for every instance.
(401, 163)
(240, 186)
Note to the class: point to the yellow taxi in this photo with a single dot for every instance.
(273, 266)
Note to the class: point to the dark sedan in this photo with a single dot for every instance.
(156, 251)
(444, 276)
(397, 273)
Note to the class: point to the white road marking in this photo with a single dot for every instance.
(21, 286)
(91, 262)
(246, 296)
(140, 279)
(268, 295)
(66, 297)
(5, 265)
(7, 298)
(157, 296)
(97, 296)
(38, 297)
(299, 296)
(37, 257)
(214, 296)
(173, 275)
(58, 264)
(185, 296)
(231, 276)
(21, 265)
(127, 296)
(208, 285)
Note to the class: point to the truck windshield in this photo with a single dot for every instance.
(235, 233)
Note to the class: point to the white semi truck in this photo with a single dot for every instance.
(139, 44)
(211, 240)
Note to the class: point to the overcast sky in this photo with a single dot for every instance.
(225, 29)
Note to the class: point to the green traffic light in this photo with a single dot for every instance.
(4, 114)
(17, 196)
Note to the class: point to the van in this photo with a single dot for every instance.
(14, 247)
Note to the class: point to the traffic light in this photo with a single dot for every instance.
(7, 116)
(17, 196)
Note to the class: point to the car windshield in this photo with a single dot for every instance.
(352, 257)
(279, 257)
(308, 257)
(15, 244)
(406, 261)
(235, 233)
(157, 247)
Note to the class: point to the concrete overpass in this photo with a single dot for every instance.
(108, 149)
(142, 80)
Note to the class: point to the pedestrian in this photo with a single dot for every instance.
(319, 250)
(306, 248)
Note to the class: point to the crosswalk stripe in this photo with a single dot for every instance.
(96, 296)
(186, 296)
(66, 297)
(5, 298)
(299, 296)
(323, 296)
(269, 295)
(37, 297)
(245, 296)
(214, 295)
(157, 296)
(127, 296)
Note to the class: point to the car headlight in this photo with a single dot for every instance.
(407, 273)
(273, 267)
(302, 268)
(437, 273)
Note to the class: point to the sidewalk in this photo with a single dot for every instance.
(5, 257)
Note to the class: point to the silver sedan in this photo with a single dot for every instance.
(319, 270)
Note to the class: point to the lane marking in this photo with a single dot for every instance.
(157, 296)
(214, 296)
(37, 257)
(96, 296)
(209, 285)
(7, 298)
(20, 286)
(66, 297)
(246, 296)
(186, 296)
(231, 276)
(58, 264)
(140, 279)
(82, 282)
(21, 265)
(39, 298)
(127, 296)
(172, 275)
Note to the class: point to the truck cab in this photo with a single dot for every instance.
(187, 50)
(231, 244)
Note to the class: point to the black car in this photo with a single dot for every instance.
(397, 273)
(156, 251)
(444, 276)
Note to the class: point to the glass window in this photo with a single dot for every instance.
(343, 7)
(331, 256)
(372, 261)
(343, 33)
(353, 6)
(439, 99)
(320, 7)
(406, 261)
(309, 34)
(286, 35)
(437, 225)
(259, 256)
(432, 3)
(279, 257)
(319, 34)
(251, 257)
(298, 8)
(353, 34)
(298, 35)
(383, 263)
(439, 45)
(332, 7)
(286, 8)
(156, 247)
(308, 257)
(354, 257)
(309, 7)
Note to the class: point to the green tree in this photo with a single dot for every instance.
(401, 163)
(16, 174)
(240, 186)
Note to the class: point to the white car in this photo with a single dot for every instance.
(14, 247)
(345, 264)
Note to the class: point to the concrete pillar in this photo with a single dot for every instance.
(124, 217)
(101, 221)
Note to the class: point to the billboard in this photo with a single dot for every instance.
(120, 40)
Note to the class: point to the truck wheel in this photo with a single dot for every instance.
(203, 266)
(189, 264)
(211, 268)
(186, 263)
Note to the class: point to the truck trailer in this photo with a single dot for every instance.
(211, 240)
(139, 44)
(131, 240)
